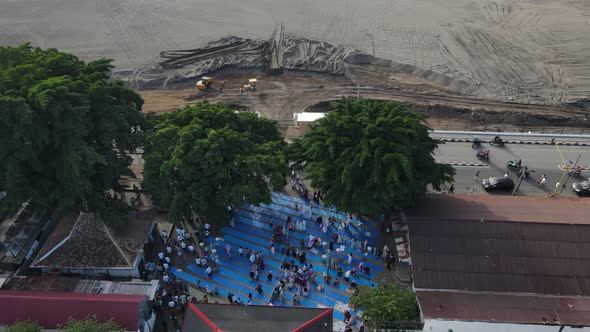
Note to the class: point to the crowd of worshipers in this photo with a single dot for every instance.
(295, 275)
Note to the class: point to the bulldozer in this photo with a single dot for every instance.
(206, 84)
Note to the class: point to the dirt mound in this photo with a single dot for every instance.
(316, 56)
(237, 54)
(179, 66)
(493, 117)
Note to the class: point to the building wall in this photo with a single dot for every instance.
(98, 273)
(435, 325)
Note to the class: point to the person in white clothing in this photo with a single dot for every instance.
(191, 249)
(161, 255)
(198, 261)
(347, 276)
(349, 258)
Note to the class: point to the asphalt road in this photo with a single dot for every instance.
(541, 159)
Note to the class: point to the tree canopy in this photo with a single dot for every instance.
(64, 127)
(206, 156)
(24, 326)
(89, 324)
(368, 156)
(386, 303)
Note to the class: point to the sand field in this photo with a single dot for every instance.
(529, 50)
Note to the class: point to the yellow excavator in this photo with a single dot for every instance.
(206, 84)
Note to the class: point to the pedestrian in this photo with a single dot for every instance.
(452, 188)
(349, 259)
(250, 297)
(506, 174)
(166, 266)
(164, 236)
(241, 251)
(542, 180)
(272, 248)
(208, 270)
(475, 178)
(230, 298)
(269, 276)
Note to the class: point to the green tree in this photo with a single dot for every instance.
(386, 303)
(205, 156)
(64, 127)
(369, 156)
(91, 324)
(24, 326)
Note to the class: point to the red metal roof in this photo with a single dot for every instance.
(51, 309)
(504, 308)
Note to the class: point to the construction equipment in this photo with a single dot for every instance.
(251, 86)
(206, 84)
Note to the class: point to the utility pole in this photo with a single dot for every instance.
(569, 174)
(522, 172)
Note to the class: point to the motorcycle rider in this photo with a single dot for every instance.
(497, 139)
(475, 141)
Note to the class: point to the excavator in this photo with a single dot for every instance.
(206, 84)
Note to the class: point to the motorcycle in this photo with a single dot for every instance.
(575, 172)
(485, 155)
(513, 164)
(524, 170)
(499, 143)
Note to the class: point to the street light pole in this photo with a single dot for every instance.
(569, 174)
(523, 172)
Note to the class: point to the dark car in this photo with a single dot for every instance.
(498, 183)
(582, 188)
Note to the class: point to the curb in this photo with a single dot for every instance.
(467, 140)
(464, 163)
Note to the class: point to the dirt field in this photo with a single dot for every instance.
(279, 97)
(530, 50)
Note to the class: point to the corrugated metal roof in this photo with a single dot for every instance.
(498, 256)
(504, 308)
(52, 309)
(506, 208)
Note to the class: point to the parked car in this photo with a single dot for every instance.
(582, 188)
(498, 183)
